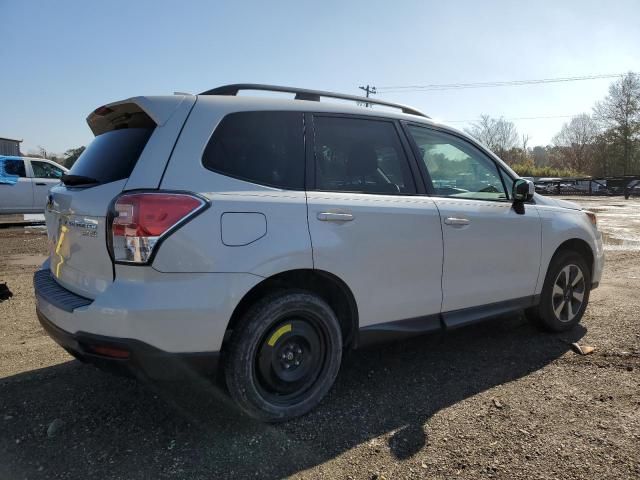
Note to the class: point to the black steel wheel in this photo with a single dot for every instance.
(290, 358)
(283, 356)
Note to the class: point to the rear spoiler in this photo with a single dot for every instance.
(135, 112)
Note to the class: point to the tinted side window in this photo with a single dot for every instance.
(357, 155)
(14, 167)
(45, 170)
(457, 168)
(112, 155)
(260, 147)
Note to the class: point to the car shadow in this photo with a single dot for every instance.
(122, 428)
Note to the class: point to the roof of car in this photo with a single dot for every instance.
(309, 95)
(226, 98)
(249, 102)
(230, 104)
(160, 108)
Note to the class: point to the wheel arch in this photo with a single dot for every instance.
(328, 286)
(574, 244)
(579, 246)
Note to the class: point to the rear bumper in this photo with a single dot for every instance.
(141, 360)
(159, 326)
(177, 313)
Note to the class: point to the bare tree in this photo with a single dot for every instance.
(484, 130)
(497, 134)
(576, 141)
(619, 113)
(35, 154)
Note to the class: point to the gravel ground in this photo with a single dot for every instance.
(496, 400)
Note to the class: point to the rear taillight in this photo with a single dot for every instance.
(138, 221)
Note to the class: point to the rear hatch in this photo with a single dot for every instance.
(133, 142)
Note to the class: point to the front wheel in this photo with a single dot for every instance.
(565, 293)
(284, 356)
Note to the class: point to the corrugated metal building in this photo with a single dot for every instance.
(9, 146)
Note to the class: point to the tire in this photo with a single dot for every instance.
(284, 355)
(555, 313)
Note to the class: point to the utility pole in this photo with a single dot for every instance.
(370, 91)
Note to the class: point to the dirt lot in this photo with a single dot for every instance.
(499, 400)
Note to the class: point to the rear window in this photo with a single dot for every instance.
(13, 167)
(260, 147)
(112, 155)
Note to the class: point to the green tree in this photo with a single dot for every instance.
(71, 155)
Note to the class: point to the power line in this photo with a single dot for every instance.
(505, 83)
(515, 118)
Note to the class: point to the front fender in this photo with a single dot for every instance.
(560, 225)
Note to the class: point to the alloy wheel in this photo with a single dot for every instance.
(568, 293)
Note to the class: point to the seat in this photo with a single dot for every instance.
(362, 171)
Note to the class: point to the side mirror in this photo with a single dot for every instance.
(523, 190)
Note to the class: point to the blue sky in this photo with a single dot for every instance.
(62, 59)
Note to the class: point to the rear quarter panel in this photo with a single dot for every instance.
(198, 246)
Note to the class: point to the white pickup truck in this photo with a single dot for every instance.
(25, 182)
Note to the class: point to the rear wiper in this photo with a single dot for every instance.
(72, 180)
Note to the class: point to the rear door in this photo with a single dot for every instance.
(16, 191)
(133, 142)
(491, 250)
(370, 222)
(44, 176)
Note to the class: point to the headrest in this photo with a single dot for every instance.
(362, 160)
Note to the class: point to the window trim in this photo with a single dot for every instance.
(474, 145)
(311, 185)
(248, 180)
(503, 173)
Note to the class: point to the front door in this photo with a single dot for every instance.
(491, 250)
(369, 225)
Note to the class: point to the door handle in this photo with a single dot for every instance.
(41, 184)
(456, 222)
(334, 217)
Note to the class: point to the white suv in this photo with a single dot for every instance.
(25, 183)
(266, 236)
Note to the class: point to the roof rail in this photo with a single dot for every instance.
(306, 94)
